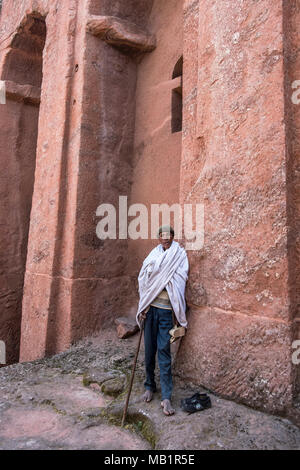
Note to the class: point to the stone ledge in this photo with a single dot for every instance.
(177, 85)
(28, 93)
(120, 33)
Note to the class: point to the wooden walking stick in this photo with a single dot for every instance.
(132, 374)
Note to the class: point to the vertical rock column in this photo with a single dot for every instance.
(234, 162)
(76, 283)
(291, 32)
(46, 309)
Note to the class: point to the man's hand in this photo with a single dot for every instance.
(143, 315)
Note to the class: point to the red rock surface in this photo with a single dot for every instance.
(53, 404)
(126, 327)
(234, 161)
(87, 121)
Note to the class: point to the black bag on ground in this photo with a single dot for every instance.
(197, 402)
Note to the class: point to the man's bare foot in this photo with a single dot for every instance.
(167, 407)
(148, 395)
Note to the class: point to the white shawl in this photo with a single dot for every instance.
(164, 269)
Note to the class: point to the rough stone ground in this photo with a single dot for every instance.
(74, 400)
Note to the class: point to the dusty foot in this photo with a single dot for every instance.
(167, 407)
(148, 395)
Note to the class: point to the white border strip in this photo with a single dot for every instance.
(2, 92)
(2, 353)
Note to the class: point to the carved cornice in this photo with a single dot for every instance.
(121, 33)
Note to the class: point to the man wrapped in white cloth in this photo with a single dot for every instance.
(162, 282)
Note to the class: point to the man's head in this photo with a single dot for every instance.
(166, 236)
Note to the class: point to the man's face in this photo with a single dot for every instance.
(166, 239)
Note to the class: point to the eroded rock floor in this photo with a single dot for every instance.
(74, 400)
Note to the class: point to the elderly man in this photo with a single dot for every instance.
(162, 281)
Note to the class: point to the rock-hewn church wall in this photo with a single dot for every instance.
(157, 150)
(75, 283)
(22, 75)
(93, 109)
(234, 161)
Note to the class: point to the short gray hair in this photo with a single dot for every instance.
(166, 228)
